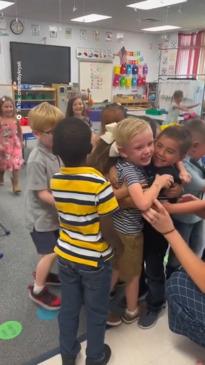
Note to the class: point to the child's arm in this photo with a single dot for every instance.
(196, 206)
(185, 108)
(162, 222)
(120, 191)
(19, 131)
(46, 197)
(183, 173)
(143, 200)
(110, 235)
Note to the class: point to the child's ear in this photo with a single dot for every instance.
(194, 146)
(122, 152)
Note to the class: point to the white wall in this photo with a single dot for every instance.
(147, 44)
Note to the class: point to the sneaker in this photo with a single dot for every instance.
(113, 320)
(148, 319)
(52, 279)
(128, 319)
(104, 361)
(45, 299)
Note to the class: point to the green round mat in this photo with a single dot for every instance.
(10, 329)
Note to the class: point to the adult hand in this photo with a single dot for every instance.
(159, 218)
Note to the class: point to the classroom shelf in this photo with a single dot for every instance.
(31, 97)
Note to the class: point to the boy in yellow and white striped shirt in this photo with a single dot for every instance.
(85, 202)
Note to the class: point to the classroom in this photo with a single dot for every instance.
(143, 62)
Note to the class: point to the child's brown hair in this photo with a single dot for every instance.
(112, 113)
(180, 134)
(196, 128)
(71, 101)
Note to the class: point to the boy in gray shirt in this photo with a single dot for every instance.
(190, 226)
(41, 215)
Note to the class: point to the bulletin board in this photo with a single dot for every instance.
(96, 76)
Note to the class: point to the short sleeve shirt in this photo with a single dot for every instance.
(41, 166)
(129, 221)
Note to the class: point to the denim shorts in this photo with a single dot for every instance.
(44, 241)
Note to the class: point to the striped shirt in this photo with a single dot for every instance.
(129, 221)
(82, 195)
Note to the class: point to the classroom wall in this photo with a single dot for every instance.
(147, 44)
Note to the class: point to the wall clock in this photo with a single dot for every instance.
(16, 26)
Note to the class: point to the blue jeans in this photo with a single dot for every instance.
(89, 286)
(186, 307)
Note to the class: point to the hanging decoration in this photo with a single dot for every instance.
(131, 71)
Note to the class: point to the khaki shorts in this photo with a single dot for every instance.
(130, 263)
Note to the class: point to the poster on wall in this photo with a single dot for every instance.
(96, 35)
(53, 31)
(83, 34)
(35, 30)
(68, 33)
(108, 36)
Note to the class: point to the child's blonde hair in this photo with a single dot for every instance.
(129, 128)
(44, 116)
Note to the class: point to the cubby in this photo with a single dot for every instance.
(28, 98)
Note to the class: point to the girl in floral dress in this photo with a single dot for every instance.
(10, 143)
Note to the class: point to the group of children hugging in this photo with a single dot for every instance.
(99, 204)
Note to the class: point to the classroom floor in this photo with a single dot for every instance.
(156, 346)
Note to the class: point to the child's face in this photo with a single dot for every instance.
(46, 137)
(178, 99)
(7, 109)
(78, 107)
(197, 150)
(166, 152)
(140, 148)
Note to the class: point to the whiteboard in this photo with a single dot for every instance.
(193, 91)
(96, 76)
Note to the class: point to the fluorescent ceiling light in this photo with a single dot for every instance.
(90, 18)
(5, 4)
(161, 28)
(153, 4)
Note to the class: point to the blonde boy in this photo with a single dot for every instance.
(134, 141)
(41, 215)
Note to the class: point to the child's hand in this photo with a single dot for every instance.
(174, 191)
(185, 177)
(165, 180)
(113, 178)
(187, 198)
